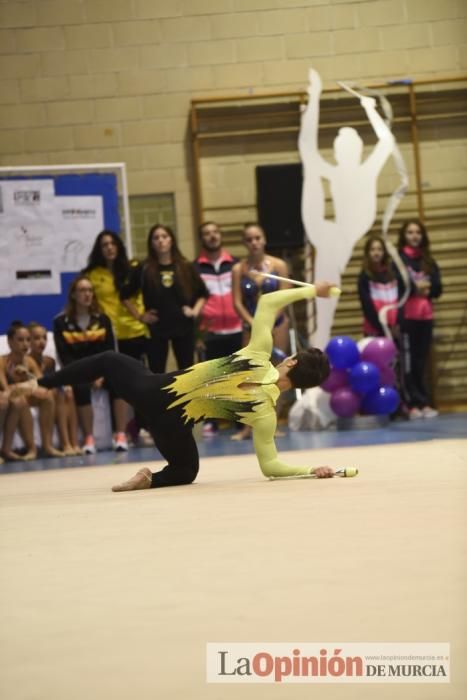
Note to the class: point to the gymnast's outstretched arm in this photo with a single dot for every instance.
(265, 316)
(264, 425)
(264, 429)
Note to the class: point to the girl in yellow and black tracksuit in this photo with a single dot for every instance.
(109, 270)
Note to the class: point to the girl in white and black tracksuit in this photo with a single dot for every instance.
(417, 324)
(378, 286)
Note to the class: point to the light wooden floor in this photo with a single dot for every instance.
(114, 596)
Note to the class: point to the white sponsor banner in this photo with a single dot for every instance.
(29, 237)
(327, 662)
(79, 220)
(5, 268)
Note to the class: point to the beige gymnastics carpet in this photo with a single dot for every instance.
(113, 596)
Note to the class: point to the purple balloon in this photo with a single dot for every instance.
(388, 376)
(382, 401)
(336, 380)
(345, 403)
(364, 377)
(380, 351)
(342, 352)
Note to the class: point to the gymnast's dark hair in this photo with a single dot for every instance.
(13, 327)
(312, 369)
(121, 265)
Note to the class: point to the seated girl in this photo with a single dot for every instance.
(15, 367)
(65, 414)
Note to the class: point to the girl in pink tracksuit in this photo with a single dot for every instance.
(417, 324)
(378, 286)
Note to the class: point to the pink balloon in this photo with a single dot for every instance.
(380, 351)
(337, 379)
(388, 376)
(345, 403)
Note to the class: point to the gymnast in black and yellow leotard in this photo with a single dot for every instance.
(241, 387)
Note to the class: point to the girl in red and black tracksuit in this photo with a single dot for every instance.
(378, 286)
(417, 326)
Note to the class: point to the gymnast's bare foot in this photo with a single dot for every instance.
(141, 480)
(30, 455)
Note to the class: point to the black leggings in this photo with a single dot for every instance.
(83, 397)
(136, 348)
(182, 346)
(416, 342)
(131, 381)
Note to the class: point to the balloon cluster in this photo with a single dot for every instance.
(361, 381)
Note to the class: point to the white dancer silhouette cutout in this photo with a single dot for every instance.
(353, 190)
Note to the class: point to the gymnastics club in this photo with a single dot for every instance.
(334, 291)
(345, 472)
(348, 471)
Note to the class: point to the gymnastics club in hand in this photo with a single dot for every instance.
(333, 292)
(344, 472)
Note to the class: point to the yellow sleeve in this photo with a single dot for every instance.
(264, 428)
(265, 316)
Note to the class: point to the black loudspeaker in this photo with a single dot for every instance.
(279, 197)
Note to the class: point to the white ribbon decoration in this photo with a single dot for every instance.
(392, 205)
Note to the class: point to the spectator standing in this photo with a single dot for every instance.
(248, 286)
(417, 325)
(173, 295)
(220, 324)
(378, 286)
(109, 270)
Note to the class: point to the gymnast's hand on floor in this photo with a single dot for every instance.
(323, 472)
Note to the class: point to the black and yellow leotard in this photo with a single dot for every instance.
(242, 387)
(239, 387)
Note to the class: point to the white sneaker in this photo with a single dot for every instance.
(120, 443)
(208, 430)
(144, 439)
(89, 447)
(415, 414)
(429, 412)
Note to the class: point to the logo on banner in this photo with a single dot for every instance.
(79, 213)
(27, 197)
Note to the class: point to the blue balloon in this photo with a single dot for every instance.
(364, 377)
(382, 401)
(342, 352)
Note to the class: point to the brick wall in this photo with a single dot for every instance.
(105, 80)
